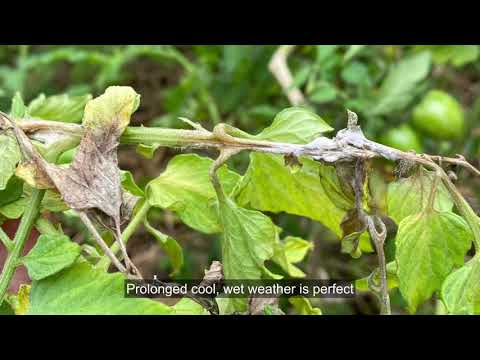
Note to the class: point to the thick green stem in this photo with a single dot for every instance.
(128, 232)
(23, 232)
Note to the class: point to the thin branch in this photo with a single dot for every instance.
(91, 228)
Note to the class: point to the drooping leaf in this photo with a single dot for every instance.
(63, 108)
(169, 245)
(397, 90)
(185, 188)
(51, 254)
(428, 247)
(461, 289)
(248, 240)
(303, 306)
(81, 289)
(409, 196)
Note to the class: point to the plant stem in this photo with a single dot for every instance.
(23, 232)
(5, 239)
(128, 232)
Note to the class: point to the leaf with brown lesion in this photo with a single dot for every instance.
(92, 184)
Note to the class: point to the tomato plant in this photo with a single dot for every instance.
(245, 188)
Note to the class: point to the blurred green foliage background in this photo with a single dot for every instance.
(422, 98)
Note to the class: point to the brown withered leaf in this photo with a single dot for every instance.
(93, 179)
(92, 184)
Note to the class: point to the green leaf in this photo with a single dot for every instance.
(185, 188)
(295, 125)
(248, 240)
(301, 77)
(461, 290)
(6, 308)
(169, 245)
(83, 290)
(352, 51)
(398, 88)
(457, 55)
(11, 155)
(13, 191)
(356, 73)
(129, 184)
(324, 92)
(324, 52)
(63, 107)
(428, 247)
(189, 307)
(51, 254)
(303, 306)
(290, 251)
(14, 209)
(268, 185)
(18, 109)
(409, 196)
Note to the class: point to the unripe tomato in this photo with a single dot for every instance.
(402, 138)
(440, 116)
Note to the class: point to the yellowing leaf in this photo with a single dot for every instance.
(116, 105)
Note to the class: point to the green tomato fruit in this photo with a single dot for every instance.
(440, 116)
(402, 138)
